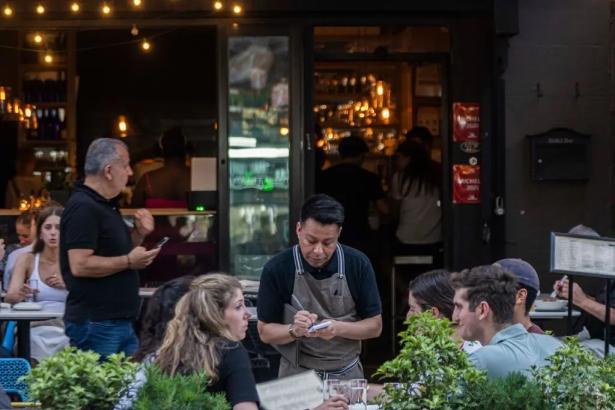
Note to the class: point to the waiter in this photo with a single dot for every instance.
(315, 281)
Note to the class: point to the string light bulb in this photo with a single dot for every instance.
(75, 7)
(145, 45)
(7, 11)
(218, 5)
(40, 9)
(134, 30)
(122, 126)
(237, 9)
(38, 39)
(106, 10)
(137, 3)
(48, 58)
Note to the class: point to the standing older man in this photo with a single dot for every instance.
(100, 256)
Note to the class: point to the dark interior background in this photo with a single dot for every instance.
(173, 84)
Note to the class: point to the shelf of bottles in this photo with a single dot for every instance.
(349, 101)
(44, 86)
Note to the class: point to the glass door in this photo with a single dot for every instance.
(258, 150)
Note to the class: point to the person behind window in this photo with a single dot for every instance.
(168, 186)
(25, 183)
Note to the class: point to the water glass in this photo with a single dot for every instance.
(357, 398)
(333, 387)
(33, 285)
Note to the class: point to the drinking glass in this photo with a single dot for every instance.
(334, 387)
(357, 399)
(33, 285)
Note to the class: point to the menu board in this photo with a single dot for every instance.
(583, 255)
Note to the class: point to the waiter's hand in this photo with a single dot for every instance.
(303, 320)
(328, 333)
(561, 287)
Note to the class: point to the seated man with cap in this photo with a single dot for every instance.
(528, 287)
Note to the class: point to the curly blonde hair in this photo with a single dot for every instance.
(198, 331)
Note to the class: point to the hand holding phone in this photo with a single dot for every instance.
(319, 326)
(162, 242)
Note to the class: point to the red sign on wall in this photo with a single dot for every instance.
(466, 184)
(466, 122)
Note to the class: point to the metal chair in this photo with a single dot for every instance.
(10, 372)
(8, 341)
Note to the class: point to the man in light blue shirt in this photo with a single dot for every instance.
(484, 305)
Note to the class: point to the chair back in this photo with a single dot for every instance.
(10, 372)
(8, 341)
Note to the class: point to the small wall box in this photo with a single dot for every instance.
(560, 154)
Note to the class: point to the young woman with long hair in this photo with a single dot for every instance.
(42, 266)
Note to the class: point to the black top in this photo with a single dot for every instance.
(596, 326)
(278, 280)
(235, 378)
(354, 187)
(90, 221)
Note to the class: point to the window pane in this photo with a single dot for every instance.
(259, 144)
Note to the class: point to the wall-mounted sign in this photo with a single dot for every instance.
(466, 184)
(466, 122)
(470, 147)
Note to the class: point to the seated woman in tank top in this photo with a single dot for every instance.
(37, 274)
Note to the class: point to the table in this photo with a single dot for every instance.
(552, 314)
(23, 319)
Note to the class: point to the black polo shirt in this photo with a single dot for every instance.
(90, 221)
(278, 280)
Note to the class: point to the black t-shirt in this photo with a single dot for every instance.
(235, 378)
(89, 221)
(278, 280)
(596, 326)
(354, 187)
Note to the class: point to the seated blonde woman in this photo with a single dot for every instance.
(42, 267)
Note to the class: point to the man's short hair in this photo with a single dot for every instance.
(352, 146)
(323, 209)
(101, 152)
(491, 284)
(527, 278)
(173, 143)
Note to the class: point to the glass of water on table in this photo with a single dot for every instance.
(33, 285)
(357, 397)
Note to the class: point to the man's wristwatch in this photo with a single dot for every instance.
(291, 331)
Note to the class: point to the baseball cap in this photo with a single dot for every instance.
(525, 273)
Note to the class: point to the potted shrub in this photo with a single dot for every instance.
(434, 369)
(514, 392)
(576, 379)
(178, 392)
(74, 380)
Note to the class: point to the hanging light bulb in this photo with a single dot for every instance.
(40, 9)
(218, 5)
(137, 3)
(105, 9)
(7, 11)
(122, 126)
(38, 39)
(75, 7)
(48, 58)
(134, 30)
(145, 45)
(237, 9)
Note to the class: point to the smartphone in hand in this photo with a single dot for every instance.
(162, 242)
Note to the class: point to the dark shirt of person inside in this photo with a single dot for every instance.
(166, 187)
(355, 188)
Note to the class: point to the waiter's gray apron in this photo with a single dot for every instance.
(329, 298)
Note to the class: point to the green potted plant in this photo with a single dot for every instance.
(576, 379)
(178, 392)
(435, 371)
(514, 392)
(74, 380)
